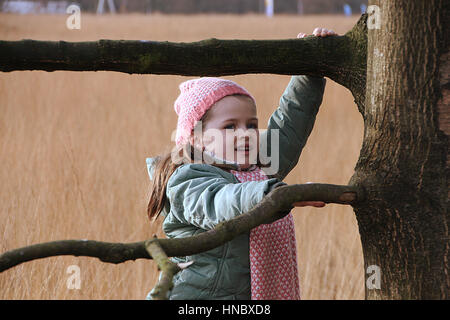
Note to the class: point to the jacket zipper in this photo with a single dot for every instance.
(219, 268)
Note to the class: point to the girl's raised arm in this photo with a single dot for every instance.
(295, 117)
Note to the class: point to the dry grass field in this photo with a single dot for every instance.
(73, 148)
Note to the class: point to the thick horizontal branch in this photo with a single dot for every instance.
(341, 58)
(268, 210)
(207, 57)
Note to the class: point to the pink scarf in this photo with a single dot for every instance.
(273, 253)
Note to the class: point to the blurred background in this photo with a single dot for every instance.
(191, 6)
(73, 144)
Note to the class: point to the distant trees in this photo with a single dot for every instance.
(222, 6)
(237, 6)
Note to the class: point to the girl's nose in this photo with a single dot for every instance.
(246, 136)
(241, 132)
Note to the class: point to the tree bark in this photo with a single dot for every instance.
(403, 164)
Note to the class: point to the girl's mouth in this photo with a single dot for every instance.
(243, 153)
(245, 148)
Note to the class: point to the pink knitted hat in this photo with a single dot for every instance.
(196, 97)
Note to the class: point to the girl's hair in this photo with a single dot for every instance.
(165, 166)
(163, 169)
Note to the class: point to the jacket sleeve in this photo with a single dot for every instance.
(294, 118)
(200, 195)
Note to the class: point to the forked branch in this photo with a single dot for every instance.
(274, 206)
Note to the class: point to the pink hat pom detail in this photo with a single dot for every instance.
(196, 97)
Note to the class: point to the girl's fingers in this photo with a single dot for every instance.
(323, 32)
(317, 31)
(317, 204)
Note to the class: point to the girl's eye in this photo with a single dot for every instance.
(249, 126)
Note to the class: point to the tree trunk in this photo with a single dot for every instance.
(403, 164)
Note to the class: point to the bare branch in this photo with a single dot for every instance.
(279, 200)
(341, 58)
(167, 267)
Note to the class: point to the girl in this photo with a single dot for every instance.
(213, 176)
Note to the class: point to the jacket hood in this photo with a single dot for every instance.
(151, 162)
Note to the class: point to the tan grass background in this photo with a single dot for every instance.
(73, 148)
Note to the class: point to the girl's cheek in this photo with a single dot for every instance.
(210, 147)
(215, 145)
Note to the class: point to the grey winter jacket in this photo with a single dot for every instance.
(199, 196)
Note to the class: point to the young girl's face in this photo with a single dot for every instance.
(230, 130)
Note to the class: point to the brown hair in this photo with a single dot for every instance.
(163, 169)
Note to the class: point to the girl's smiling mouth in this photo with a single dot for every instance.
(245, 148)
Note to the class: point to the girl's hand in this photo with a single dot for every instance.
(319, 32)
